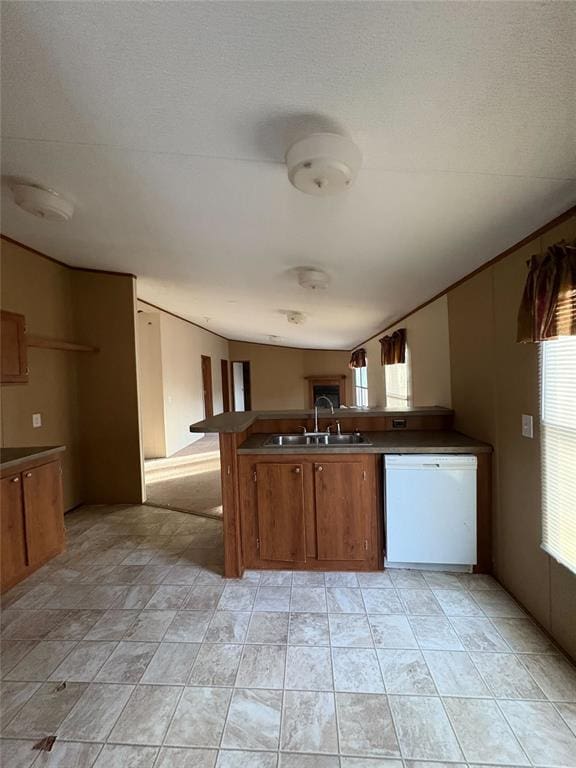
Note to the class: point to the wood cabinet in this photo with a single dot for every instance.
(14, 365)
(301, 512)
(31, 518)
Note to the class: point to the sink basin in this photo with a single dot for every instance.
(317, 441)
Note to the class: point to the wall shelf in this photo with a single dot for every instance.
(42, 342)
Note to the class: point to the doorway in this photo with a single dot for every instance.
(225, 385)
(207, 386)
(241, 385)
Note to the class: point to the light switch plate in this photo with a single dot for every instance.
(527, 426)
(36, 420)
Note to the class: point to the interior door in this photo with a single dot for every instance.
(207, 386)
(280, 512)
(43, 511)
(224, 370)
(343, 509)
(13, 543)
(13, 347)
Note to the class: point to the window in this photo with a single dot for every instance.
(398, 385)
(558, 442)
(361, 387)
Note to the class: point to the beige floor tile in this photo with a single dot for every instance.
(84, 662)
(423, 729)
(349, 630)
(419, 602)
(344, 600)
(13, 651)
(273, 599)
(308, 599)
(203, 598)
(135, 597)
(276, 579)
(178, 757)
(308, 668)
(407, 579)
(568, 712)
(76, 625)
(269, 628)
(127, 663)
(405, 672)
(188, 627)
(44, 711)
(32, 624)
(237, 597)
(442, 580)
(120, 756)
(150, 626)
(506, 677)
(457, 602)
(356, 670)
(376, 580)
(253, 720)
(382, 601)
(72, 754)
(16, 753)
(498, 603)
(555, 675)
(96, 712)
(13, 696)
(541, 731)
(182, 575)
(199, 718)
(232, 759)
(216, 664)
(523, 636)
(309, 722)
(35, 598)
(112, 625)
(171, 664)
(104, 597)
(308, 629)
(168, 598)
(308, 579)
(376, 762)
(289, 760)
(455, 674)
(147, 714)
(435, 633)
(262, 666)
(392, 632)
(41, 661)
(483, 732)
(365, 725)
(478, 634)
(227, 627)
(341, 579)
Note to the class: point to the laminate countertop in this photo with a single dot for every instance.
(448, 442)
(12, 457)
(239, 421)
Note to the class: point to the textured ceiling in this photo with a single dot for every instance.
(167, 124)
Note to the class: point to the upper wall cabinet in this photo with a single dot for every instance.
(13, 343)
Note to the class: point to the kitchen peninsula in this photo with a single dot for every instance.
(316, 503)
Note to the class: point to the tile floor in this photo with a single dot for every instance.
(165, 665)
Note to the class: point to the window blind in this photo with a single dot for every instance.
(558, 441)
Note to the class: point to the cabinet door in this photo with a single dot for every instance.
(13, 347)
(43, 511)
(13, 546)
(280, 512)
(344, 510)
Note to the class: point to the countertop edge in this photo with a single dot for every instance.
(41, 453)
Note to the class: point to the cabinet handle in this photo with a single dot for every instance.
(28, 474)
(297, 470)
(15, 479)
(320, 468)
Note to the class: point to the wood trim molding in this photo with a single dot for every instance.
(42, 342)
(571, 212)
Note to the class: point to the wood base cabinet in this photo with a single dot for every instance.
(31, 518)
(311, 512)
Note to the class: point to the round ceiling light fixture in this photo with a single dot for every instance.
(41, 202)
(323, 163)
(312, 279)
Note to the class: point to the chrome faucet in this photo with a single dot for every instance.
(321, 397)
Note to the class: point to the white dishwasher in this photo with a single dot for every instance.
(430, 509)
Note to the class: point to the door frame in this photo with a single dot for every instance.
(225, 374)
(207, 390)
(246, 373)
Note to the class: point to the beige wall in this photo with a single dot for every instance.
(151, 385)
(495, 381)
(277, 373)
(176, 367)
(88, 401)
(42, 291)
(429, 350)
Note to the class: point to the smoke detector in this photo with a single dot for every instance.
(312, 279)
(323, 163)
(41, 202)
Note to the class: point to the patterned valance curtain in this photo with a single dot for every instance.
(548, 307)
(358, 358)
(393, 348)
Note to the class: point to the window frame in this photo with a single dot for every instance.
(360, 386)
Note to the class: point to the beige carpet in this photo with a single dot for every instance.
(189, 481)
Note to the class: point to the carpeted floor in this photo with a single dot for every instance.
(188, 481)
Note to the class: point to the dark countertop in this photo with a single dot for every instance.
(11, 457)
(382, 442)
(239, 421)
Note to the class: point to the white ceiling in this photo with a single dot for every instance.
(167, 124)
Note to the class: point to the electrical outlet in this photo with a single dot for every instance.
(527, 426)
(36, 420)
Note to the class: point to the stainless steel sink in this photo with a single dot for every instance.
(316, 441)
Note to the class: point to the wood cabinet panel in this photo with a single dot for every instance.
(43, 511)
(12, 529)
(280, 512)
(343, 510)
(14, 366)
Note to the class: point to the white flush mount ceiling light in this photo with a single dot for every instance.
(41, 202)
(312, 279)
(323, 163)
